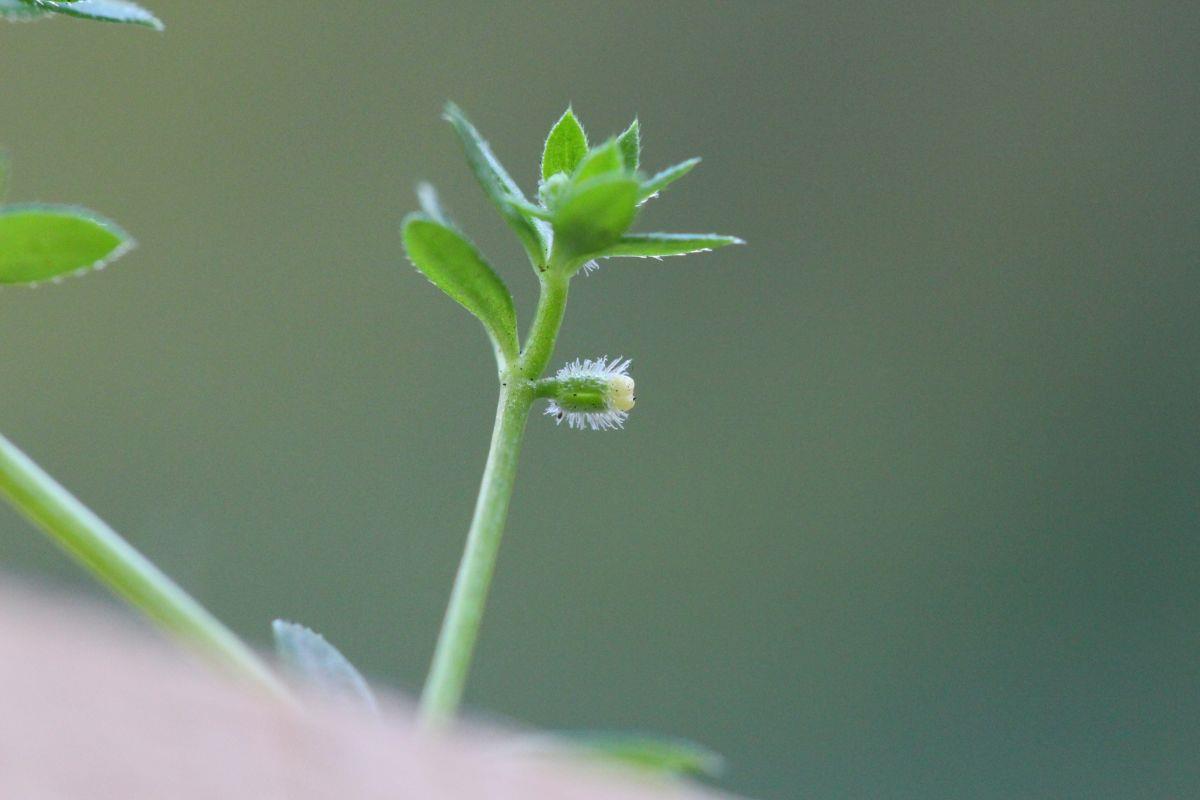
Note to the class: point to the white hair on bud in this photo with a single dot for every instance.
(616, 374)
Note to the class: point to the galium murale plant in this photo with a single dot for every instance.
(586, 202)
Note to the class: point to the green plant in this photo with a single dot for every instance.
(587, 199)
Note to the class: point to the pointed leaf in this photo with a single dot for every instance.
(657, 245)
(565, 146)
(103, 10)
(631, 146)
(665, 178)
(39, 242)
(454, 265)
(501, 189)
(316, 662)
(593, 216)
(602, 160)
(648, 753)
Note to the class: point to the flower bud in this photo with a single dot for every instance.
(597, 394)
(552, 189)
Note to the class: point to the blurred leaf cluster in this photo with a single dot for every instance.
(120, 11)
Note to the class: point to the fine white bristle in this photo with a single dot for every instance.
(602, 368)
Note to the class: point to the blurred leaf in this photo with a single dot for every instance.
(103, 10)
(662, 180)
(5, 172)
(454, 266)
(20, 10)
(593, 216)
(317, 663)
(565, 146)
(602, 160)
(501, 189)
(648, 753)
(40, 242)
(631, 146)
(657, 245)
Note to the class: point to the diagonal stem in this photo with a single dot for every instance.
(115, 562)
(539, 346)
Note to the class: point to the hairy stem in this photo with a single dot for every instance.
(460, 628)
(112, 560)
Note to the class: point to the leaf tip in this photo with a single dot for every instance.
(452, 113)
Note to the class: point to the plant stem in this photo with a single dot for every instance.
(460, 628)
(102, 551)
(546, 321)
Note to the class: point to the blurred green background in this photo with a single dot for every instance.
(909, 505)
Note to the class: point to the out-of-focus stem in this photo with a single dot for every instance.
(115, 563)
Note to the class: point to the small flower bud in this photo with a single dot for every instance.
(592, 393)
(552, 188)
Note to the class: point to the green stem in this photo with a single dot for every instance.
(552, 304)
(100, 550)
(546, 387)
(460, 628)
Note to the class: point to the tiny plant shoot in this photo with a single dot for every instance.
(587, 200)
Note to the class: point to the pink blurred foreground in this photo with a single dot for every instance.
(95, 708)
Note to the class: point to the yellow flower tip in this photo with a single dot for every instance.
(593, 393)
(620, 392)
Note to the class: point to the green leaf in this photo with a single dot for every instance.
(19, 10)
(593, 216)
(103, 10)
(665, 178)
(317, 663)
(565, 146)
(631, 146)
(649, 753)
(39, 242)
(602, 160)
(658, 245)
(454, 265)
(501, 189)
